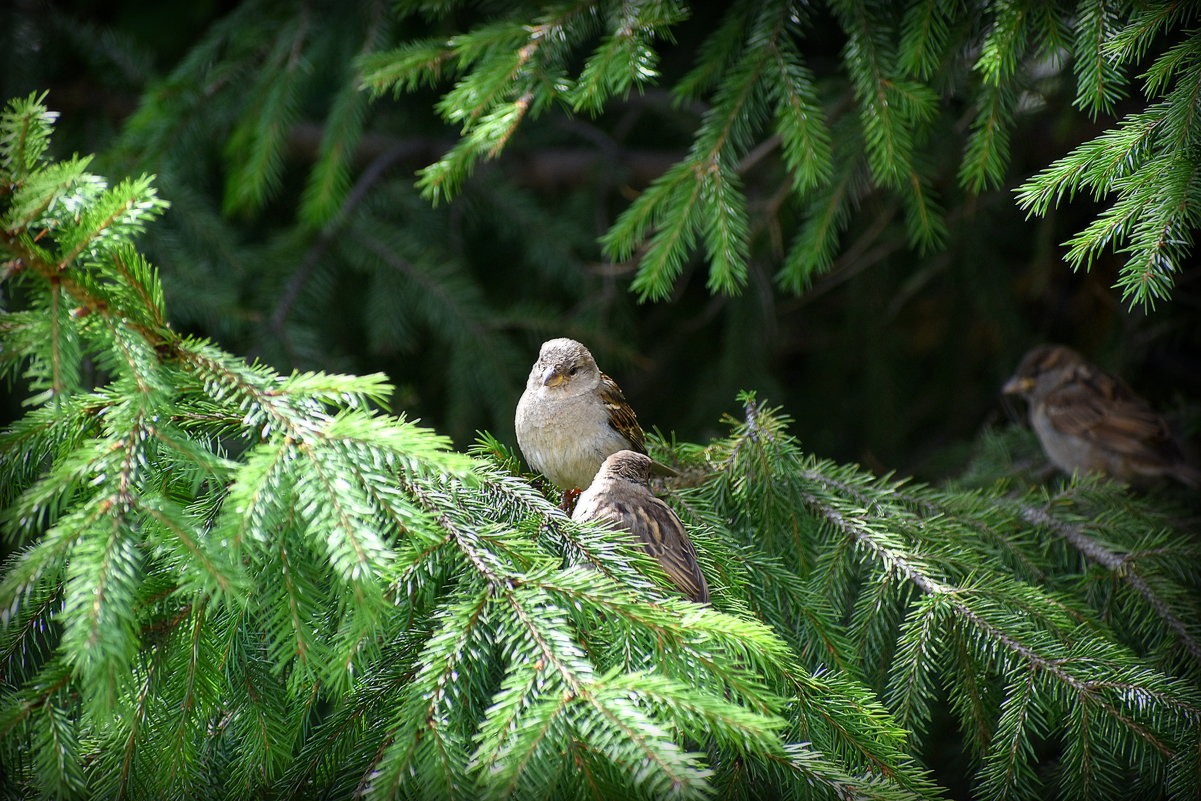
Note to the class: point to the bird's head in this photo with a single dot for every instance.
(628, 465)
(1041, 369)
(564, 368)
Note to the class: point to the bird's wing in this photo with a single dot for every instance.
(657, 528)
(1103, 409)
(621, 414)
(663, 536)
(668, 542)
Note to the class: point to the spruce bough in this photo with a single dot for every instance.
(228, 582)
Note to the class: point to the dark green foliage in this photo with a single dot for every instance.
(752, 73)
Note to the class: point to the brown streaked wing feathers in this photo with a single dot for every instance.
(670, 546)
(1102, 408)
(621, 415)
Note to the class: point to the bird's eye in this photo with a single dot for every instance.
(573, 370)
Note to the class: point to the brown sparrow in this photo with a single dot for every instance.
(621, 497)
(1090, 421)
(571, 416)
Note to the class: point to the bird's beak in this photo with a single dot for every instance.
(1018, 386)
(552, 377)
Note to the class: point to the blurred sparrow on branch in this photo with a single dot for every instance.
(1090, 421)
(620, 496)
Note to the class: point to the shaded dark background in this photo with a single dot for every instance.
(892, 358)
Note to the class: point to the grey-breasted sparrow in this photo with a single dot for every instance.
(620, 496)
(572, 416)
(1090, 421)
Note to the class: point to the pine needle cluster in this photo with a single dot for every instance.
(227, 582)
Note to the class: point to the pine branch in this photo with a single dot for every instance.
(1100, 80)
(1118, 566)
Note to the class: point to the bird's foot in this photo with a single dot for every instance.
(569, 500)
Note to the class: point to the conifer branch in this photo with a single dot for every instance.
(85, 298)
(1096, 552)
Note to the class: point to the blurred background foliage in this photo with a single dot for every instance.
(298, 235)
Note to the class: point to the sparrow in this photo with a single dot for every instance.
(571, 416)
(621, 497)
(1090, 421)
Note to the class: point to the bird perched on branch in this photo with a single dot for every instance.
(572, 416)
(1090, 421)
(621, 497)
